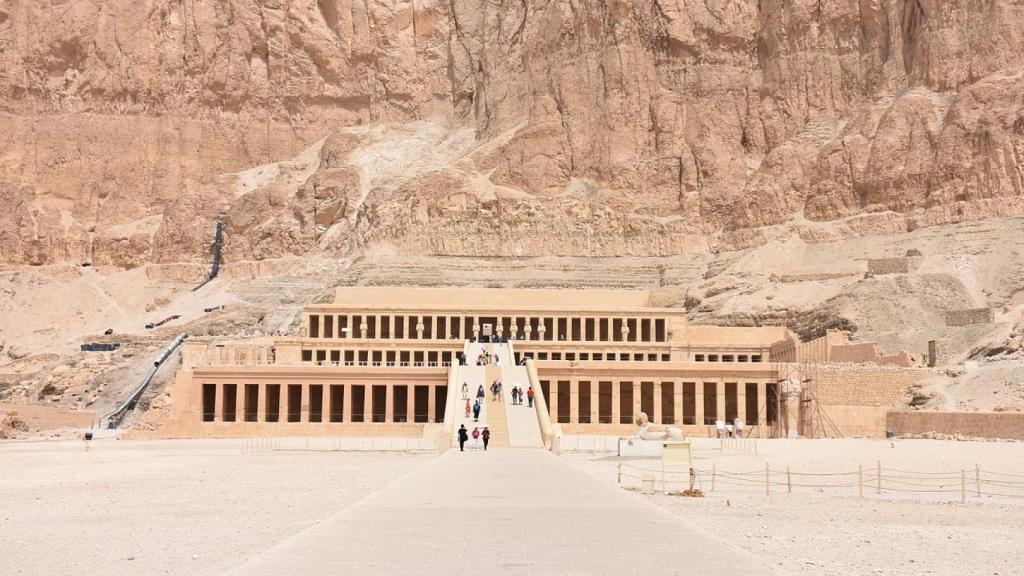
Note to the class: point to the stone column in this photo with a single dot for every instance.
(368, 403)
(240, 403)
(720, 399)
(389, 403)
(637, 389)
(616, 401)
(346, 401)
(553, 404)
(431, 403)
(419, 327)
(218, 402)
(698, 405)
(574, 401)
(656, 417)
(410, 403)
(261, 403)
(741, 402)
(304, 392)
(476, 328)
(677, 403)
(762, 404)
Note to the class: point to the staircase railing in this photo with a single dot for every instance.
(115, 417)
(547, 431)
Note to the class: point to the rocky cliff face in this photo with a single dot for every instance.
(570, 128)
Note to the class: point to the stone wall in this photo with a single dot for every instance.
(857, 398)
(1009, 425)
(969, 316)
(42, 417)
(900, 265)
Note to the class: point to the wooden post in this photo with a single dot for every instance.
(878, 478)
(789, 481)
(963, 486)
(767, 481)
(860, 480)
(977, 480)
(713, 466)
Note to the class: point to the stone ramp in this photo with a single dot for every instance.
(502, 512)
(523, 427)
(474, 376)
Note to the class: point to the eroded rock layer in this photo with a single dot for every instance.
(498, 127)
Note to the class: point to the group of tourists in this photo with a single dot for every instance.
(517, 396)
(477, 435)
(485, 358)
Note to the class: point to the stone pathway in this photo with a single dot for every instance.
(512, 511)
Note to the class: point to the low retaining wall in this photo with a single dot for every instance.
(42, 417)
(1006, 425)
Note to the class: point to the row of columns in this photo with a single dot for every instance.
(217, 411)
(389, 356)
(656, 418)
(630, 329)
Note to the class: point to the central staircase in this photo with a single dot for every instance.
(497, 420)
(510, 426)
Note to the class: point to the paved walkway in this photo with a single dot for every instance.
(511, 511)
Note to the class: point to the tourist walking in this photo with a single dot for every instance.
(463, 436)
(529, 396)
(494, 390)
(467, 407)
(476, 438)
(486, 436)
(515, 395)
(480, 392)
(499, 390)
(465, 390)
(476, 411)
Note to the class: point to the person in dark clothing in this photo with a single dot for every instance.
(476, 411)
(463, 436)
(486, 436)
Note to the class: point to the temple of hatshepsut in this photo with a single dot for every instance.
(395, 361)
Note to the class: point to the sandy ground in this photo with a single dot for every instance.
(168, 507)
(832, 531)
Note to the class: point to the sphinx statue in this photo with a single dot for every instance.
(644, 432)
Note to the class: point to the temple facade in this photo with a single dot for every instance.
(396, 361)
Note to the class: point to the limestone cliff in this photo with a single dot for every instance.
(606, 127)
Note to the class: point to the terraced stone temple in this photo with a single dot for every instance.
(404, 362)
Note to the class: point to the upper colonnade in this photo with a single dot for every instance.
(516, 314)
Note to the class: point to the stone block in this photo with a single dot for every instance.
(969, 317)
(898, 265)
(938, 352)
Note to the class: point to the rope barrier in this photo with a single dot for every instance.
(1003, 482)
(1002, 474)
(880, 479)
